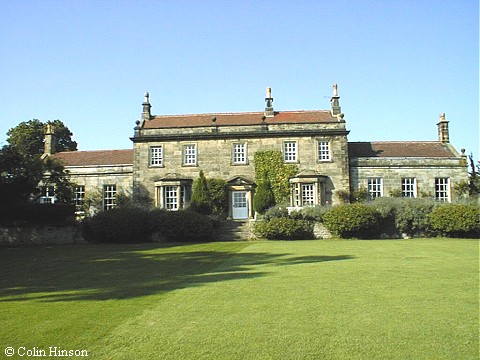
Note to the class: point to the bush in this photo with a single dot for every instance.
(264, 198)
(279, 211)
(314, 213)
(284, 229)
(352, 221)
(411, 216)
(119, 225)
(456, 220)
(199, 201)
(182, 226)
(217, 196)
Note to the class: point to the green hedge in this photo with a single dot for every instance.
(119, 225)
(283, 228)
(352, 221)
(456, 220)
(182, 226)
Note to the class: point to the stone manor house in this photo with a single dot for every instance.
(169, 151)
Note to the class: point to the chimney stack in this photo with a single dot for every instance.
(443, 135)
(269, 106)
(146, 115)
(336, 110)
(49, 140)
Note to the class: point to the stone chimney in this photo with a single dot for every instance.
(335, 101)
(146, 114)
(269, 106)
(442, 125)
(50, 140)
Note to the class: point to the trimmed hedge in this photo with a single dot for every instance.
(456, 220)
(182, 226)
(119, 225)
(283, 228)
(352, 221)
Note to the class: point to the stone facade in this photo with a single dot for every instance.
(170, 151)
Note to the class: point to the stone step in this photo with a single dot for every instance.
(233, 230)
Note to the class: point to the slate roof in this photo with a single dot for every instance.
(384, 149)
(245, 118)
(98, 157)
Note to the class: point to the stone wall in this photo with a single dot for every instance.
(47, 235)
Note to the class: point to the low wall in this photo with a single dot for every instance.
(40, 235)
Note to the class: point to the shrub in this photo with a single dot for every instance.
(352, 220)
(411, 216)
(343, 196)
(118, 225)
(199, 201)
(283, 228)
(182, 226)
(279, 211)
(314, 213)
(217, 196)
(264, 198)
(456, 220)
(359, 195)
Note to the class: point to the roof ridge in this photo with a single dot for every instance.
(238, 113)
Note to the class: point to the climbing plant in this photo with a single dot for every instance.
(270, 164)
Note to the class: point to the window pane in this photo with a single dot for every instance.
(239, 154)
(290, 151)
(324, 151)
(79, 196)
(409, 188)
(375, 188)
(156, 155)
(109, 195)
(189, 155)
(442, 189)
(308, 194)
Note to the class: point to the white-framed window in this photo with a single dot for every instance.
(375, 187)
(324, 151)
(308, 194)
(239, 153)
(156, 155)
(79, 196)
(109, 196)
(409, 187)
(190, 154)
(175, 197)
(442, 189)
(304, 194)
(48, 195)
(290, 151)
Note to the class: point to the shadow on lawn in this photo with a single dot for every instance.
(123, 272)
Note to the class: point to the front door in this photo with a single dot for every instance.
(239, 205)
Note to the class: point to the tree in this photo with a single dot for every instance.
(28, 137)
(22, 166)
(199, 202)
(264, 197)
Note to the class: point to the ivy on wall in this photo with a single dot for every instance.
(270, 164)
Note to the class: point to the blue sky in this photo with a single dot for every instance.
(398, 63)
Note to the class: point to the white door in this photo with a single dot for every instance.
(239, 205)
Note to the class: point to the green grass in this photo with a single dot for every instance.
(329, 299)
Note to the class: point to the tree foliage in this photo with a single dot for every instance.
(28, 137)
(264, 197)
(22, 167)
(199, 202)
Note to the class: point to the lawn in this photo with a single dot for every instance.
(328, 299)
